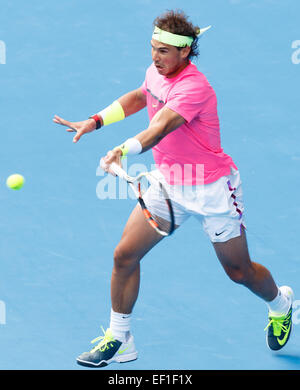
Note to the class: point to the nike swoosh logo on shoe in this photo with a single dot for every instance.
(122, 351)
(283, 340)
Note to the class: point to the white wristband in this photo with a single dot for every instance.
(131, 146)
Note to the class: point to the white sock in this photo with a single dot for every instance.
(279, 306)
(120, 325)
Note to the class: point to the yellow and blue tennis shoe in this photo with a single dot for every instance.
(108, 350)
(279, 328)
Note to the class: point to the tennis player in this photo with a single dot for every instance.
(183, 131)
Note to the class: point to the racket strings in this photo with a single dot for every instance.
(165, 225)
(162, 223)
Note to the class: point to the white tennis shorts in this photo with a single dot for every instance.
(218, 205)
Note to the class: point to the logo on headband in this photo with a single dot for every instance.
(175, 39)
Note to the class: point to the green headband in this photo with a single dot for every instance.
(175, 39)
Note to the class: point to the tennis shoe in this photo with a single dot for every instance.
(108, 350)
(279, 328)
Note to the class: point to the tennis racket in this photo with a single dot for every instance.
(139, 185)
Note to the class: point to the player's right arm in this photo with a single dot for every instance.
(133, 101)
(129, 104)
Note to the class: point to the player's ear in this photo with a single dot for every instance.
(185, 51)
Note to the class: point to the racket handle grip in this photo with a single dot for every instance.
(118, 170)
(113, 168)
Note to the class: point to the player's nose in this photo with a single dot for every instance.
(155, 56)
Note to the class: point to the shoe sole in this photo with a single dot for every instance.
(116, 359)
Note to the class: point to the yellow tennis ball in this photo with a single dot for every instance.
(15, 182)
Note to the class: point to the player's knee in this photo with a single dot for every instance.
(124, 259)
(237, 274)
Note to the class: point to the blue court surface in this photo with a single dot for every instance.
(73, 58)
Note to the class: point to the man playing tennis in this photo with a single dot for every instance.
(183, 131)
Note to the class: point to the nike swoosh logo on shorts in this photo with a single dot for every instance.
(218, 234)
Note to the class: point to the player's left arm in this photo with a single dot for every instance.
(164, 122)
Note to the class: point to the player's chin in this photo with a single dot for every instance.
(160, 69)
